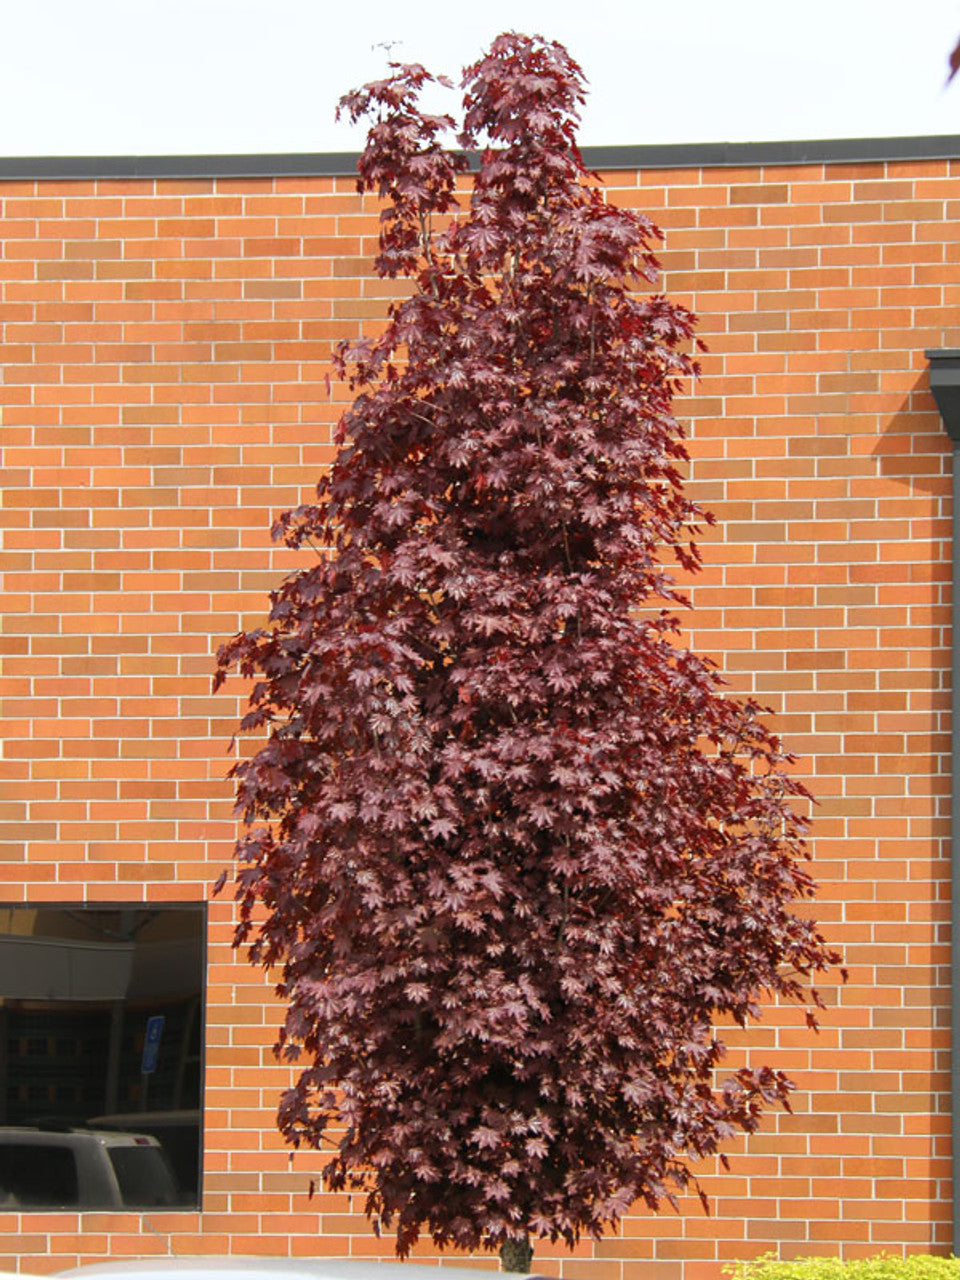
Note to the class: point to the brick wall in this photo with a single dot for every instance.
(163, 394)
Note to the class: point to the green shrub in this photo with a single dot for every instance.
(918, 1266)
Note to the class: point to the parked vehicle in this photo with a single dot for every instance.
(270, 1269)
(70, 1168)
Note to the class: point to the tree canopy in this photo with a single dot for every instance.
(513, 848)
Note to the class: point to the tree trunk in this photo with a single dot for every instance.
(516, 1254)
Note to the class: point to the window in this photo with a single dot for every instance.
(101, 1032)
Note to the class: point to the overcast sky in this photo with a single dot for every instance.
(155, 77)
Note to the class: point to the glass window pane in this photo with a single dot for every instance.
(37, 1176)
(144, 1177)
(101, 1031)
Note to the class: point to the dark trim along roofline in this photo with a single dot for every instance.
(669, 155)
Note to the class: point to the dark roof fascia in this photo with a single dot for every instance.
(696, 155)
(108, 168)
(685, 155)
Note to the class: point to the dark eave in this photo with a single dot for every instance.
(685, 155)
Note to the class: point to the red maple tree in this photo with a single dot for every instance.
(512, 846)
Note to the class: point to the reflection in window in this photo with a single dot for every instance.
(37, 1177)
(101, 1029)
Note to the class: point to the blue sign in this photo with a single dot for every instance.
(151, 1045)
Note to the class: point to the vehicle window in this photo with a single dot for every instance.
(36, 1176)
(144, 1177)
(178, 1135)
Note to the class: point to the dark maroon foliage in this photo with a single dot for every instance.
(511, 845)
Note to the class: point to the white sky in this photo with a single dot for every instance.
(155, 77)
